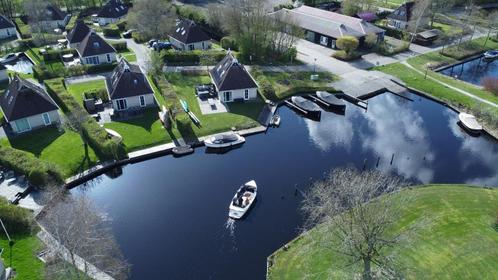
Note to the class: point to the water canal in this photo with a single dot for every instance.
(473, 71)
(169, 214)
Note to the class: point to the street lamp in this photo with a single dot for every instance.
(314, 67)
(11, 242)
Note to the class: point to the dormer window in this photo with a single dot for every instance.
(177, 30)
(135, 81)
(96, 45)
(183, 32)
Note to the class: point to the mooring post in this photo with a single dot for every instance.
(378, 160)
(364, 164)
(392, 158)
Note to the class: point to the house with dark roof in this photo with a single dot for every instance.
(189, 36)
(232, 81)
(324, 27)
(94, 50)
(26, 106)
(54, 18)
(401, 17)
(111, 12)
(7, 28)
(129, 89)
(77, 34)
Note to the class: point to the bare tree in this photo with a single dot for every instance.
(419, 16)
(154, 18)
(346, 207)
(439, 6)
(79, 230)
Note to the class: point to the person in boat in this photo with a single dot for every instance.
(240, 202)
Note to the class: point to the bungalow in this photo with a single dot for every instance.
(77, 34)
(232, 81)
(401, 17)
(26, 106)
(7, 28)
(189, 36)
(129, 89)
(94, 50)
(324, 27)
(111, 12)
(54, 18)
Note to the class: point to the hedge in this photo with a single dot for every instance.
(266, 88)
(121, 25)
(96, 136)
(191, 57)
(39, 173)
(120, 46)
(139, 37)
(17, 220)
(111, 31)
(228, 42)
(55, 54)
(41, 72)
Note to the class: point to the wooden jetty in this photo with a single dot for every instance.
(355, 100)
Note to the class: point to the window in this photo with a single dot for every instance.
(246, 94)
(92, 60)
(191, 47)
(96, 45)
(332, 44)
(108, 58)
(324, 40)
(203, 47)
(46, 119)
(227, 96)
(22, 125)
(8, 32)
(121, 104)
(142, 101)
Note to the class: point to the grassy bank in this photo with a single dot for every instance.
(454, 237)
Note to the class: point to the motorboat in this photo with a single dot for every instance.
(243, 200)
(9, 58)
(470, 123)
(182, 150)
(492, 54)
(275, 120)
(306, 107)
(224, 140)
(331, 99)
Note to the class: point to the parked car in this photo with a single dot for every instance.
(159, 46)
(151, 42)
(128, 33)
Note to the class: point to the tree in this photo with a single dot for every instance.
(347, 208)
(419, 12)
(439, 6)
(153, 18)
(347, 44)
(79, 231)
(371, 39)
(350, 7)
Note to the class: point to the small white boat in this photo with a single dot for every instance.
(224, 140)
(493, 54)
(470, 123)
(275, 120)
(243, 200)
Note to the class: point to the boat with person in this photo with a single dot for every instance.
(224, 140)
(275, 121)
(491, 54)
(243, 200)
(470, 123)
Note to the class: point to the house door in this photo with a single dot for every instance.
(227, 96)
(122, 104)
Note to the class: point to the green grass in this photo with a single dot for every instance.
(128, 55)
(453, 237)
(24, 259)
(286, 83)
(65, 149)
(24, 28)
(78, 89)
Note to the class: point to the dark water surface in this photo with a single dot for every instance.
(169, 214)
(473, 71)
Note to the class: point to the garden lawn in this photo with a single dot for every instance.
(64, 149)
(288, 84)
(142, 132)
(453, 236)
(240, 115)
(24, 260)
(78, 89)
(128, 55)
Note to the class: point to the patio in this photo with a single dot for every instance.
(211, 105)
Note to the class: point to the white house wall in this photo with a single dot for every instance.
(102, 59)
(134, 101)
(36, 121)
(106, 21)
(239, 94)
(184, 47)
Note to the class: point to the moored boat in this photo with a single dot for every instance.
(492, 54)
(275, 120)
(243, 200)
(224, 140)
(182, 150)
(331, 99)
(306, 107)
(470, 123)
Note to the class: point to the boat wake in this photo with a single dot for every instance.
(230, 225)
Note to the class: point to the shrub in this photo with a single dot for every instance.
(56, 54)
(228, 42)
(191, 57)
(463, 51)
(121, 25)
(342, 55)
(387, 49)
(26, 163)
(119, 46)
(96, 94)
(288, 6)
(347, 43)
(42, 72)
(139, 37)
(490, 84)
(111, 31)
(266, 88)
(17, 220)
